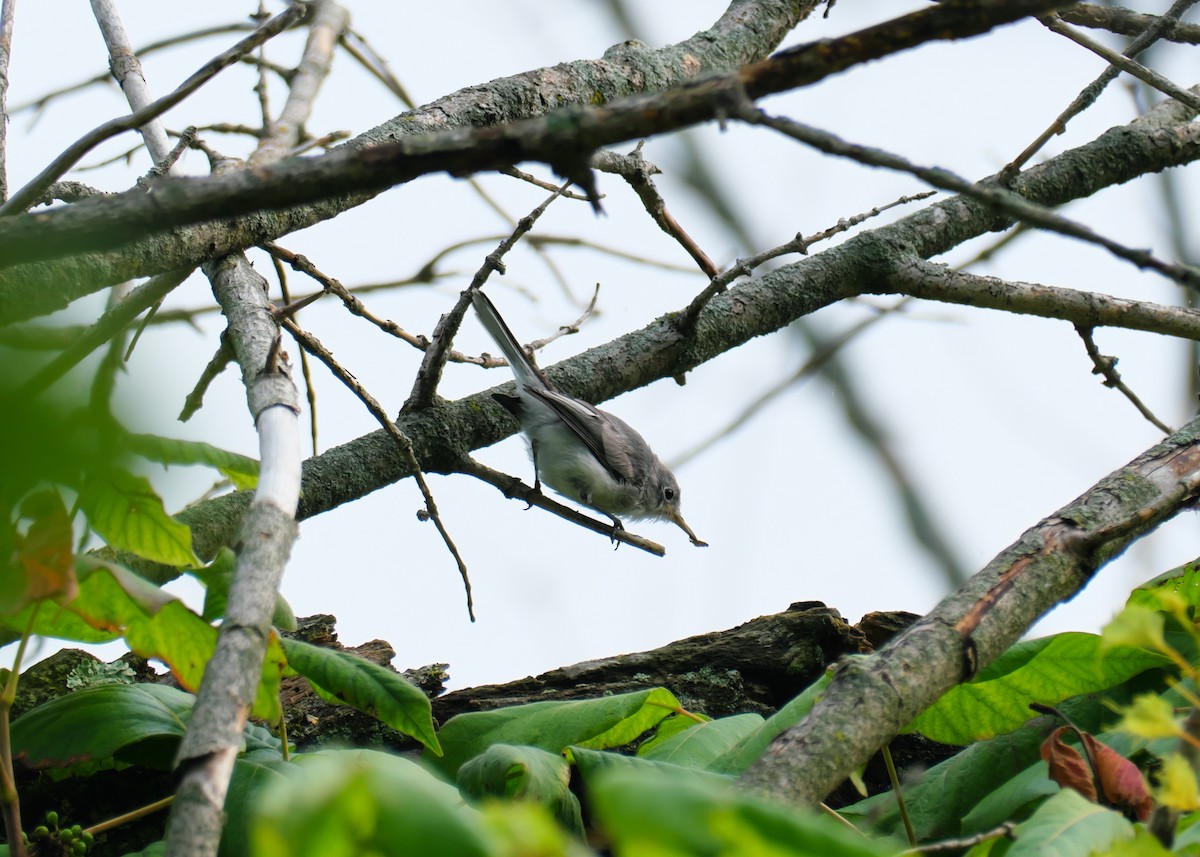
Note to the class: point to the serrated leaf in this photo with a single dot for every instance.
(1046, 670)
(241, 470)
(610, 721)
(354, 802)
(704, 743)
(127, 513)
(526, 773)
(1067, 825)
(340, 677)
(98, 722)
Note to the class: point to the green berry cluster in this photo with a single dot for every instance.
(51, 839)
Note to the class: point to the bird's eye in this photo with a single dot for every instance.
(669, 493)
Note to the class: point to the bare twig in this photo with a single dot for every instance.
(636, 170)
(42, 101)
(215, 366)
(923, 279)
(314, 347)
(1106, 367)
(964, 843)
(358, 47)
(310, 391)
(1092, 91)
(799, 244)
(187, 137)
(536, 182)
(514, 488)
(564, 330)
(106, 327)
(284, 133)
(27, 195)
(127, 71)
(430, 372)
(995, 196)
(1120, 61)
(1126, 22)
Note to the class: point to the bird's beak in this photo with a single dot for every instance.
(677, 518)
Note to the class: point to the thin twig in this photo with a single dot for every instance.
(992, 195)
(216, 365)
(27, 195)
(358, 47)
(636, 170)
(305, 369)
(963, 844)
(566, 329)
(1120, 61)
(1092, 91)
(314, 346)
(1126, 22)
(106, 327)
(536, 182)
(514, 488)
(898, 793)
(799, 244)
(42, 101)
(430, 371)
(1106, 367)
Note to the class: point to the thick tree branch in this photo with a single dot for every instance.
(873, 698)
(342, 178)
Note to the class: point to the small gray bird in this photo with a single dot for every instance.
(580, 451)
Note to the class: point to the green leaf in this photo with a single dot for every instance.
(241, 470)
(1183, 582)
(950, 790)
(177, 637)
(1066, 825)
(508, 771)
(358, 802)
(1046, 670)
(738, 758)
(253, 774)
(1143, 844)
(217, 577)
(660, 813)
(97, 723)
(703, 743)
(1009, 801)
(154, 849)
(611, 721)
(129, 515)
(340, 677)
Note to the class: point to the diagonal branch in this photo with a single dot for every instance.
(341, 178)
(873, 698)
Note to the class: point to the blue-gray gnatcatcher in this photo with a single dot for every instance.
(579, 450)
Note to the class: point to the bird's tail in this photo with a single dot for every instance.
(522, 366)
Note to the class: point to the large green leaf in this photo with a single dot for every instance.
(1046, 670)
(253, 774)
(703, 743)
(1011, 800)
(359, 802)
(508, 771)
(125, 510)
(610, 721)
(1067, 825)
(656, 812)
(367, 687)
(746, 751)
(97, 723)
(177, 637)
(241, 470)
